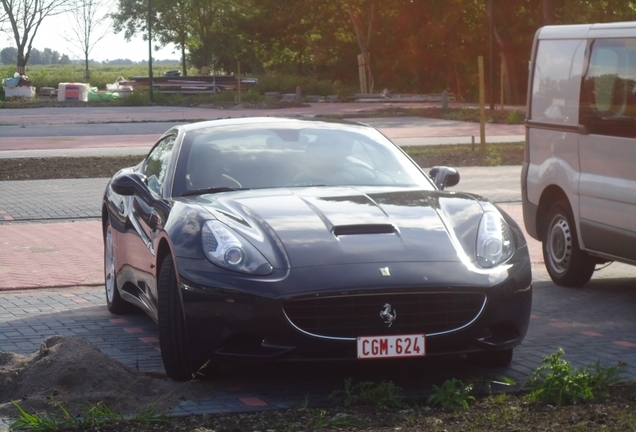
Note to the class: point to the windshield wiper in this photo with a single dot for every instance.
(209, 190)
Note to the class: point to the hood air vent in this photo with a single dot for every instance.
(363, 229)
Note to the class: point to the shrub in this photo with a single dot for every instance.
(452, 394)
(556, 382)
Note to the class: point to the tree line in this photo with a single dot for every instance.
(414, 46)
(9, 56)
(47, 56)
(411, 45)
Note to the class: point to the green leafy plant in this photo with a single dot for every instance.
(382, 395)
(452, 394)
(95, 416)
(515, 117)
(493, 158)
(36, 423)
(556, 382)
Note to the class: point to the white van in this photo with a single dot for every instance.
(579, 174)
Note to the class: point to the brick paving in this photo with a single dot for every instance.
(594, 323)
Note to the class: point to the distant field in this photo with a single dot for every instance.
(52, 75)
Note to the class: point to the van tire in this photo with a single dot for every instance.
(567, 264)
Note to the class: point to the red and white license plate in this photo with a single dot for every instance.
(372, 347)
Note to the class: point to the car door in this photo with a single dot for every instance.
(607, 149)
(147, 215)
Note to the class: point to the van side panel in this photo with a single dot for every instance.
(553, 124)
(608, 153)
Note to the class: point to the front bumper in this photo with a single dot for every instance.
(231, 317)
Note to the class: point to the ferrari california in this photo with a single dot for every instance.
(259, 239)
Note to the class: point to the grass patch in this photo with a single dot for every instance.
(383, 395)
(107, 166)
(504, 116)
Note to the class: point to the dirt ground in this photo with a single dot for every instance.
(72, 372)
(75, 373)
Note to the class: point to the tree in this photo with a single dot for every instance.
(361, 13)
(591, 11)
(88, 27)
(170, 22)
(24, 18)
(8, 55)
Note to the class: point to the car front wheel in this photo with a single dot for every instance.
(173, 342)
(114, 302)
(566, 263)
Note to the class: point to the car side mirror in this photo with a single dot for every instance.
(131, 184)
(444, 176)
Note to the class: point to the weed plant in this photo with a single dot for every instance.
(452, 394)
(556, 382)
(383, 395)
(515, 117)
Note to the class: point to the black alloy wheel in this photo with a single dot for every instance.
(173, 341)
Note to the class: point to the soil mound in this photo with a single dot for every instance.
(73, 372)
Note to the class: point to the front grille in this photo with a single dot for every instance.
(359, 315)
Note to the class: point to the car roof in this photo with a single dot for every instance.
(272, 122)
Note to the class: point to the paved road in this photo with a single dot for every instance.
(78, 131)
(49, 236)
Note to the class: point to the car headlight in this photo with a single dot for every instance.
(229, 250)
(495, 244)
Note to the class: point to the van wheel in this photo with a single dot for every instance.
(567, 264)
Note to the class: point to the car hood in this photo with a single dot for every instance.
(345, 225)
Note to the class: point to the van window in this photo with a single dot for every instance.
(608, 91)
(557, 80)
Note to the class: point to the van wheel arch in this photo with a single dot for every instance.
(552, 194)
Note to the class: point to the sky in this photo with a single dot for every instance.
(53, 29)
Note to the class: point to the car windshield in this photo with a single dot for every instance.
(289, 155)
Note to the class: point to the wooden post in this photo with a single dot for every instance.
(482, 104)
(503, 80)
(239, 82)
(362, 72)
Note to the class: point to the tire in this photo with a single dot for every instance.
(490, 359)
(567, 264)
(114, 302)
(173, 341)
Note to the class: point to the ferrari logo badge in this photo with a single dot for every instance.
(388, 314)
(385, 271)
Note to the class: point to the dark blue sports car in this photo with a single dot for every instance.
(273, 238)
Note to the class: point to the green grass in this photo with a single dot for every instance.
(52, 75)
(383, 395)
